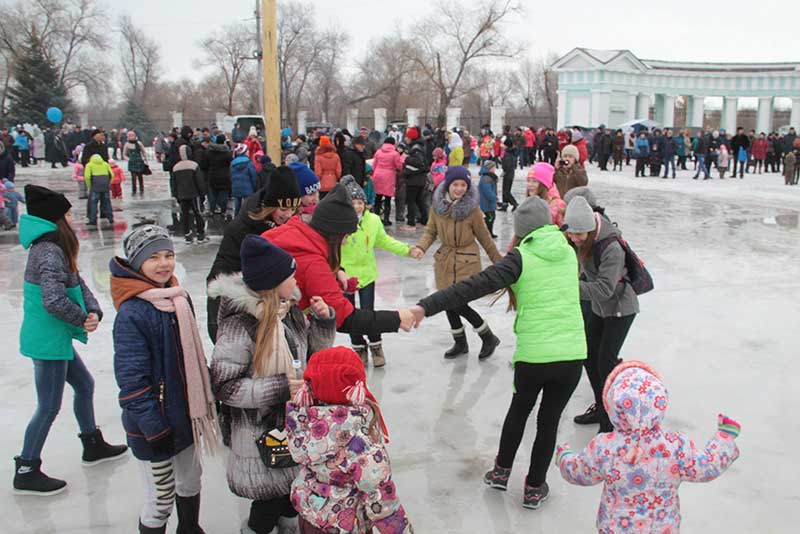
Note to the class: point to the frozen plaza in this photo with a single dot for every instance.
(721, 327)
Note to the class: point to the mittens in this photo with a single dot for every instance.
(352, 285)
(728, 426)
(561, 453)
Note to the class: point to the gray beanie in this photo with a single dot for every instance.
(579, 217)
(353, 189)
(490, 165)
(145, 241)
(581, 191)
(531, 215)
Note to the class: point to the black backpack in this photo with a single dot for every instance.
(638, 276)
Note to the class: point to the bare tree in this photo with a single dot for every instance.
(537, 84)
(140, 61)
(457, 39)
(326, 76)
(228, 50)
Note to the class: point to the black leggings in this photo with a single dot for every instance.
(134, 177)
(604, 340)
(454, 317)
(415, 201)
(508, 198)
(264, 515)
(557, 381)
(383, 206)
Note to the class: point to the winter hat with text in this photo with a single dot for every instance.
(282, 190)
(306, 179)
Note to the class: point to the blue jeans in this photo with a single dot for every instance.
(669, 162)
(49, 377)
(366, 301)
(701, 164)
(218, 200)
(105, 198)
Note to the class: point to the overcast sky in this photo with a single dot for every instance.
(728, 30)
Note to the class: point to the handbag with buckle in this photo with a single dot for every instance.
(273, 446)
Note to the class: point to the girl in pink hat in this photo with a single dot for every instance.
(540, 184)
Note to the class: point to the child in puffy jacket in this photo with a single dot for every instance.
(488, 191)
(244, 178)
(641, 464)
(12, 198)
(77, 175)
(338, 436)
(116, 181)
(439, 166)
(541, 184)
(5, 220)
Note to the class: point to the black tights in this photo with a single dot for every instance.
(454, 317)
(557, 381)
(134, 177)
(383, 206)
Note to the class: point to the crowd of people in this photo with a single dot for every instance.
(307, 439)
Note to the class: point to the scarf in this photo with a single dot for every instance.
(202, 412)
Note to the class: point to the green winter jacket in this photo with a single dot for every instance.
(358, 250)
(45, 333)
(549, 324)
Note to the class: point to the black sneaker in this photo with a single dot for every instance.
(29, 479)
(589, 417)
(497, 478)
(535, 495)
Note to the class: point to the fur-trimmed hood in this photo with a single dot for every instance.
(237, 297)
(461, 209)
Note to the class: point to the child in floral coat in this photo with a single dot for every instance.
(337, 435)
(641, 464)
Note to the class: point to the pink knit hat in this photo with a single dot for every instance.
(542, 173)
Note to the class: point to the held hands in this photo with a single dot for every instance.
(320, 308)
(411, 318)
(91, 323)
(419, 314)
(416, 253)
(728, 426)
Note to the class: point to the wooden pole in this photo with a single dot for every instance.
(272, 103)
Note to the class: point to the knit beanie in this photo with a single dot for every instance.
(325, 141)
(282, 191)
(542, 173)
(334, 215)
(145, 241)
(389, 141)
(306, 179)
(490, 165)
(336, 376)
(531, 215)
(264, 266)
(240, 149)
(581, 191)
(570, 150)
(45, 203)
(457, 172)
(353, 189)
(579, 217)
(438, 153)
(291, 158)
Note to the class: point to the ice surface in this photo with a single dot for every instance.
(721, 327)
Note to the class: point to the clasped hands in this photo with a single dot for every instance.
(411, 318)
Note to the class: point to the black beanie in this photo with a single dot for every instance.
(264, 266)
(282, 190)
(45, 203)
(334, 215)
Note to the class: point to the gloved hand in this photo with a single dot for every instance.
(164, 445)
(352, 285)
(728, 426)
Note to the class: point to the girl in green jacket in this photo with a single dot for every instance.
(541, 274)
(358, 261)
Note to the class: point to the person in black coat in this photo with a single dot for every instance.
(740, 140)
(217, 168)
(96, 146)
(55, 150)
(415, 172)
(509, 164)
(354, 163)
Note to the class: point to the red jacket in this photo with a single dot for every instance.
(327, 167)
(530, 138)
(760, 149)
(313, 275)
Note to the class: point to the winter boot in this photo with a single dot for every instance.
(589, 417)
(97, 451)
(151, 530)
(459, 347)
(29, 479)
(189, 238)
(490, 341)
(363, 353)
(378, 358)
(188, 515)
(535, 495)
(497, 477)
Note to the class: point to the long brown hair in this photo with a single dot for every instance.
(265, 333)
(586, 251)
(68, 241)
(512, 298)
(374, 429)
(334, 250)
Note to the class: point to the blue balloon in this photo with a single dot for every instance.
(54, 115)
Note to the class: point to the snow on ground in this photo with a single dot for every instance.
(721, 327)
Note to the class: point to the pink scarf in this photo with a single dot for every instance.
(202, 412)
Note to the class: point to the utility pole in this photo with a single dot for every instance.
(259, 58)
(271, 80)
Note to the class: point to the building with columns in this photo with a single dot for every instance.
(612, 87)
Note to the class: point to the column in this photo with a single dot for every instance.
(177, 119)
(352, 121)
(84, 119)
(412, 117)
(498, 119)
(562, 109)
(632, 106)
(643, 106)
(795, 116)
(601, 102)
(668, 111)
(380, 119)
(695, 111)
(302, 117)
(764, 115)
(729, 109)
(453, 118)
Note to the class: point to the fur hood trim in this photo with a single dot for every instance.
(462, 209)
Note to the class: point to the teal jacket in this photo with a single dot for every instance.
(358, 250)
(56, 301)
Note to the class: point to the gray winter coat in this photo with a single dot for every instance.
(604, 286)
(253, 399)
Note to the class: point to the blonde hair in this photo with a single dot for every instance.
(265, 334)
(266, 213)
(374, 429)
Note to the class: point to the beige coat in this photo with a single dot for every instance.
(460, 231)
